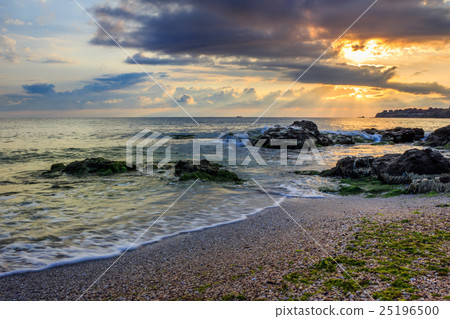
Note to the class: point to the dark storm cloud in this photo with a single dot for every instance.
(265, 28)
(368, 76)
(344, 74)
(39, 88)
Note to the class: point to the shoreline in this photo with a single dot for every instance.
(79, 260)
(249, 258)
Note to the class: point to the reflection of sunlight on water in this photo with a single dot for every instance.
(50, 220)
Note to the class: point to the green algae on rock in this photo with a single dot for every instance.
(206, 171)
(90, 166)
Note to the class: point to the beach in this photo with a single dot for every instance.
(269, 256)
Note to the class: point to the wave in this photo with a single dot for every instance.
(127, 248)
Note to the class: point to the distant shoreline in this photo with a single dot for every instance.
(415, 113)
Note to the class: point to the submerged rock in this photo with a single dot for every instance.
(340, 139)
(373, 131)
(58, 167)
(205, 171)
(89, 166)
(423, 169)
(440, 137)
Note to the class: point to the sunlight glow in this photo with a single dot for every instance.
(358, 52)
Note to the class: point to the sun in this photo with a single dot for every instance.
(365, 52)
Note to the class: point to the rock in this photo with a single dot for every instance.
(403, 135)
(340, 139)
(434, 184)
(299, 130)
(418, 162)
(440, 137)
(58, 167)
(182, 136)
(361, 139)
(408, 168)
(307, 125)
(55, 171)
(205, 170)
(373, 131)
(96, 166)
(352, 167)
(444, 179)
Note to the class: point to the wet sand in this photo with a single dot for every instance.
(248, 259)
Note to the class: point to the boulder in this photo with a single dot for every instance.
(403, 135)
(440, 137)
(93, 166)
(299, 130)
(307, 125)
(373, 131)
(205, 170)
(412, 165)
(340, 139)
(352, 167)
(58, 167)
(396, 170)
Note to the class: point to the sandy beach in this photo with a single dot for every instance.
(268, 256)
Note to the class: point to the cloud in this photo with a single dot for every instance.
(114, 82)
(56, 60)
(8, 49)
(101, 92)
(39, 88)
(14, 22)
(343, 74)
(113, 101)
(186, 99)
(264, 28)
(282, 37)
(140, 58)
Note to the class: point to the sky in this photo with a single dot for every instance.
(222, 58)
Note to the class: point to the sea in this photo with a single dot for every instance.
(46, 222)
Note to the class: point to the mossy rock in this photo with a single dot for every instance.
(57, 167)
(91, 166)
(310, 173)
(206, 171)
(221, 176)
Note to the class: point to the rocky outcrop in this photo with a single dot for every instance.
(417, 162)
(89, 166)
(439, 138)
(340, 139)
(417, 113)
(398, 134)
(307, 130)
(299, 130)
(403, 135)
(412, 167)
(205, 171)
(352, 167)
